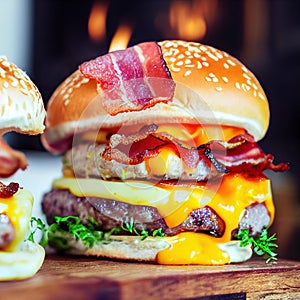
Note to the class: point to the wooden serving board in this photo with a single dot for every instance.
(74, 278)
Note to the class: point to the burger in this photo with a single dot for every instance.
(160, 157)
(22, 110)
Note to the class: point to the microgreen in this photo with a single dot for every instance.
(143, 234)
(262, 245)
(88, 233)
(38, 224)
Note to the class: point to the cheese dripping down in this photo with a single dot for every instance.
(174, 203)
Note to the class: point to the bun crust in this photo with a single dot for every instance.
(22, 263)
(230, 90)
(21, 104)
(212, 87)
(131, 248)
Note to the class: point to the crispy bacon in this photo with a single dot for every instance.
(9, 190)
(132, 79)
(10, 160)
(240, 154)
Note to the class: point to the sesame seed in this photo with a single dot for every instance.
(188, 61)
(188, 53)
(219, 55)
(226, 66)
(199, 65)
(246, 76)
(203, 48)
(172, 59)
(5, 63)
(68, 80)
(261, 96)
(197, 55)
(179, 63)
(215, 79)
(190, 66)
(5, 84)
(180, 56)
(2, 72)
(169, 44)
(24, 91)
(225, 79)
(237, 85)
(208, 78)
(187, 73)
(205, 64)
(18, 75)
(212, 56)
(255, 93)
(231, 62)
(219, 89)
(245, 87)
(174, 69)
(254, 86)
(245, 69)
(203, 58)
(34, 94)
(23, 84)
(14, 81)
(211, 75)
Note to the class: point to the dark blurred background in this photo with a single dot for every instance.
(55, 36)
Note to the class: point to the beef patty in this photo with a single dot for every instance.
(111, 214)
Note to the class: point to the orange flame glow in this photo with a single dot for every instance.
(189, 19)
(96, 23)
(121, 38)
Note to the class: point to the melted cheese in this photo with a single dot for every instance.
(160, 164)
(193, 248)
(18, 208)
(196, 135)
(228, 198)
(193, 135)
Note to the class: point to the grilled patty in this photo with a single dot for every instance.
(85, 161)
(110, 214)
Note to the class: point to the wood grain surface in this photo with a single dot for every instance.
(74, 278)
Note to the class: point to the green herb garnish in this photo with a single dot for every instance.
(88, 233)
(143, 234)
(38, 224)
(58, 233)
(262, 245)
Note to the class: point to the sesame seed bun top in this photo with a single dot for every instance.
(212, 87)
(21, 104)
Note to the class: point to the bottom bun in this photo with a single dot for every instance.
(22, 263)
(132, 248)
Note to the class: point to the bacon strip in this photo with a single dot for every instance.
(9, 190)
(241, 154)
(132, 79)
(10, 160)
